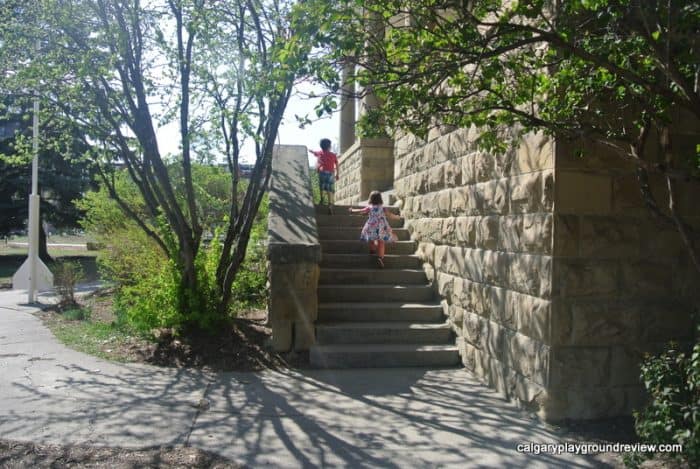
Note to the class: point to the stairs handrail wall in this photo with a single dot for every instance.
(294, 250)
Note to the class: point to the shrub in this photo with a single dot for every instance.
(672, 380)
(67, 274)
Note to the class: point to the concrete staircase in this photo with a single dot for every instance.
(372, 317)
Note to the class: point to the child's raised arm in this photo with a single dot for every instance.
(390, 215)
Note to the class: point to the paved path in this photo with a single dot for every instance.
(403, 418)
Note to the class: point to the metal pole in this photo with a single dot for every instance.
(34, 203)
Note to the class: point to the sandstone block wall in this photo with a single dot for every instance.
(366, 166)
(623, 285)
(485, 230)
(554, 275)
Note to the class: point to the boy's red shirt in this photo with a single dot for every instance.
(327, 160)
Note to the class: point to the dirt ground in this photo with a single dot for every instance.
(242, 347)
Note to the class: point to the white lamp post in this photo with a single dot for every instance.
(33, 274)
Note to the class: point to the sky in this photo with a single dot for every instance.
(289, 132)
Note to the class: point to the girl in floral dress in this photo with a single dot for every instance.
(376, 231)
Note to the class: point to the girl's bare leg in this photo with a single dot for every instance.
(380, 253)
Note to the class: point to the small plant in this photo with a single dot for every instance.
(672, 380)
(67, 274)
(76, 314)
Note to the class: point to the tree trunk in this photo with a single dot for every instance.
(43, 246)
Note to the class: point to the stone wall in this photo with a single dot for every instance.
(366, 166)
(485, 230)
(294, 251)
(553, 274)
(623, 285)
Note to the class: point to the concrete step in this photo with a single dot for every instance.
(344, 219)
(348, 246)
(343, 209)
(380, 311)
(353, 233)
(372, 276)
(341, 260)
(374, 293)
(382, 333)
(383, 356)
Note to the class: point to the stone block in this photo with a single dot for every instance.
(456, 317)
(583, 193)
(448, 235)
(625, 365)
(484, 167)
(494, 197)
(531, 314)
(583, 403)
(647, 278)
(495, 267)
(475, 200)
(444, 202)
(607, 237)
(663, 321)
(471, 328)
(493, 340)
(528, 357)
(467, 353)
(530, 274)
(526, 193)
(561, 322)
(495, 302)
(445, 283)
(459, 201)
(453, 174)
(510, 232)
(465, 231)
(290, 285)
(537, 233)
(459, 143)
(281, 340)
(574, 367)
(548, 192)
(487, 233)
(603, 323)
(627, 197)
(426, 252)
(660, 242)
(436, 178)
(566, 235)
(589, 156)
(461, 293)
(535, 153)
(467, 167)
(578, 278)
(479, 299)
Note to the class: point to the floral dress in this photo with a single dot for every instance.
(377, 227)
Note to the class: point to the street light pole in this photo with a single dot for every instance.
(33, 274)
(34, 207)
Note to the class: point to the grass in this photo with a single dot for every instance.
(104, 340)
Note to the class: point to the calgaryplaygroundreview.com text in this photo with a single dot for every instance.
(594, 448)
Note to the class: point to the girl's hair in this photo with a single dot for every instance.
(375, 198)
(325, 144)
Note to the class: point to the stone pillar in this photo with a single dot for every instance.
(347, 110)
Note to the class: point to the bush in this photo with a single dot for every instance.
(67, 274)
(672, 380)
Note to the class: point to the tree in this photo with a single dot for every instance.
(222, 70)
(612, 71)
(63, 175)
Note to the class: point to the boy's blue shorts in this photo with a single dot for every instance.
(326, 181)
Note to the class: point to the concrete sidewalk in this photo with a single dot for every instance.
(344, 418)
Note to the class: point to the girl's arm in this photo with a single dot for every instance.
(391, 216)
(358, 210)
